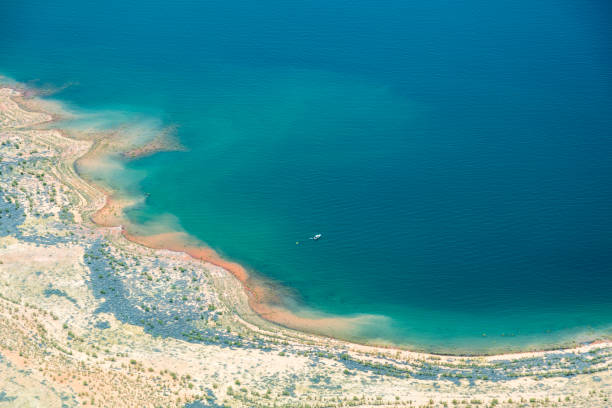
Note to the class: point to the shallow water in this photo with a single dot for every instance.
(456, 157)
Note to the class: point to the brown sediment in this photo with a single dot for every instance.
(29, 102)
(177, 241)
(32, 89)
(107, 144)
(111, 214)
(165, 141)
(262, 300)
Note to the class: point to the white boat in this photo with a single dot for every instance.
(316, 237)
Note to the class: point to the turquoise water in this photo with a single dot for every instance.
(455, 156)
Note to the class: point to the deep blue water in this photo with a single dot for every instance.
(457, 156)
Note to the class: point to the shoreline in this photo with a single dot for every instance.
(261, 299)
(173, 242)
(89, 317)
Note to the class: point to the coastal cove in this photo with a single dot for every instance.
(108, 322)
(453, 184)
(107, 165)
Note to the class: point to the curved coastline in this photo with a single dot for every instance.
(261, 298)
(267, 304)
(66, 341)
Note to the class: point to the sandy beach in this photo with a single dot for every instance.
(93, 313)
